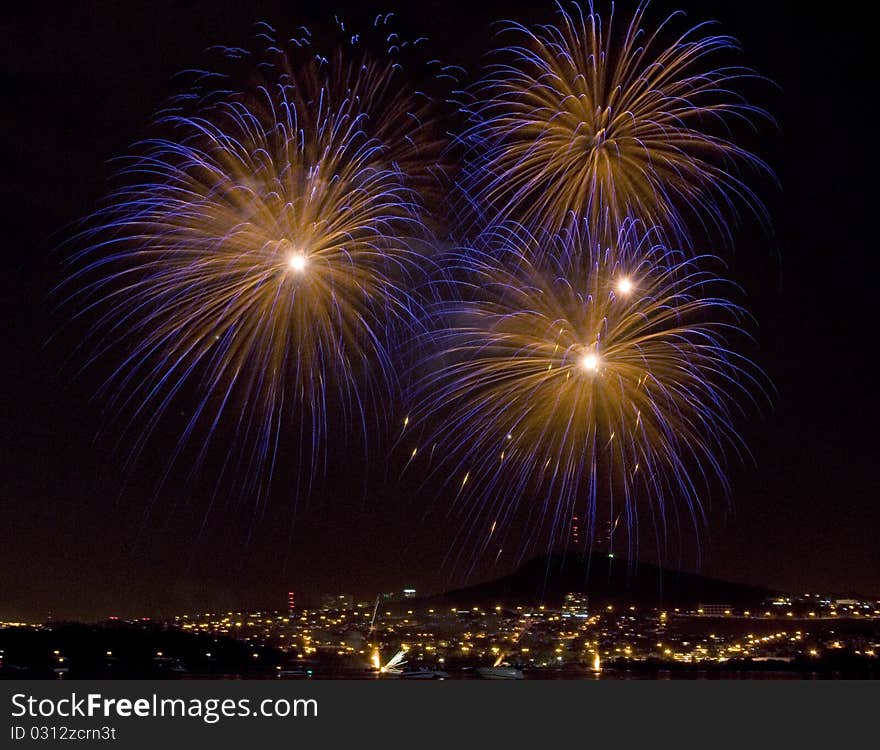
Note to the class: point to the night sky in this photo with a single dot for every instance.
(83, 537)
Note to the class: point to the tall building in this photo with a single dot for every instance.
(575, 604)
(290, 603)
(575, 532)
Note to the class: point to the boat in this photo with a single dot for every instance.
(423, 673)
(167, 664)
(286, 672)
(500, 673)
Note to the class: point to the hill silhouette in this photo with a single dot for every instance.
(548, 578)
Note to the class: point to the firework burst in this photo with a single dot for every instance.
(601, 380)
(260, 251)
(585, 119)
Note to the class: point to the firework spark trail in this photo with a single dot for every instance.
(603, 374)
(589, 119)
(261, 251)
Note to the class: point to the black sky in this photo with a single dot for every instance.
(82, 537)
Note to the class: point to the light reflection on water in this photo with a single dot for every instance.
(607, 674)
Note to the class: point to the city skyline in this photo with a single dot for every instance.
(577, 636)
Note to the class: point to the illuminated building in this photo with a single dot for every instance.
(715, 610)
(337, 601)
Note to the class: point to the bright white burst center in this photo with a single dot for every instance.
(590, 362)
(624, 286)
(297, 262)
